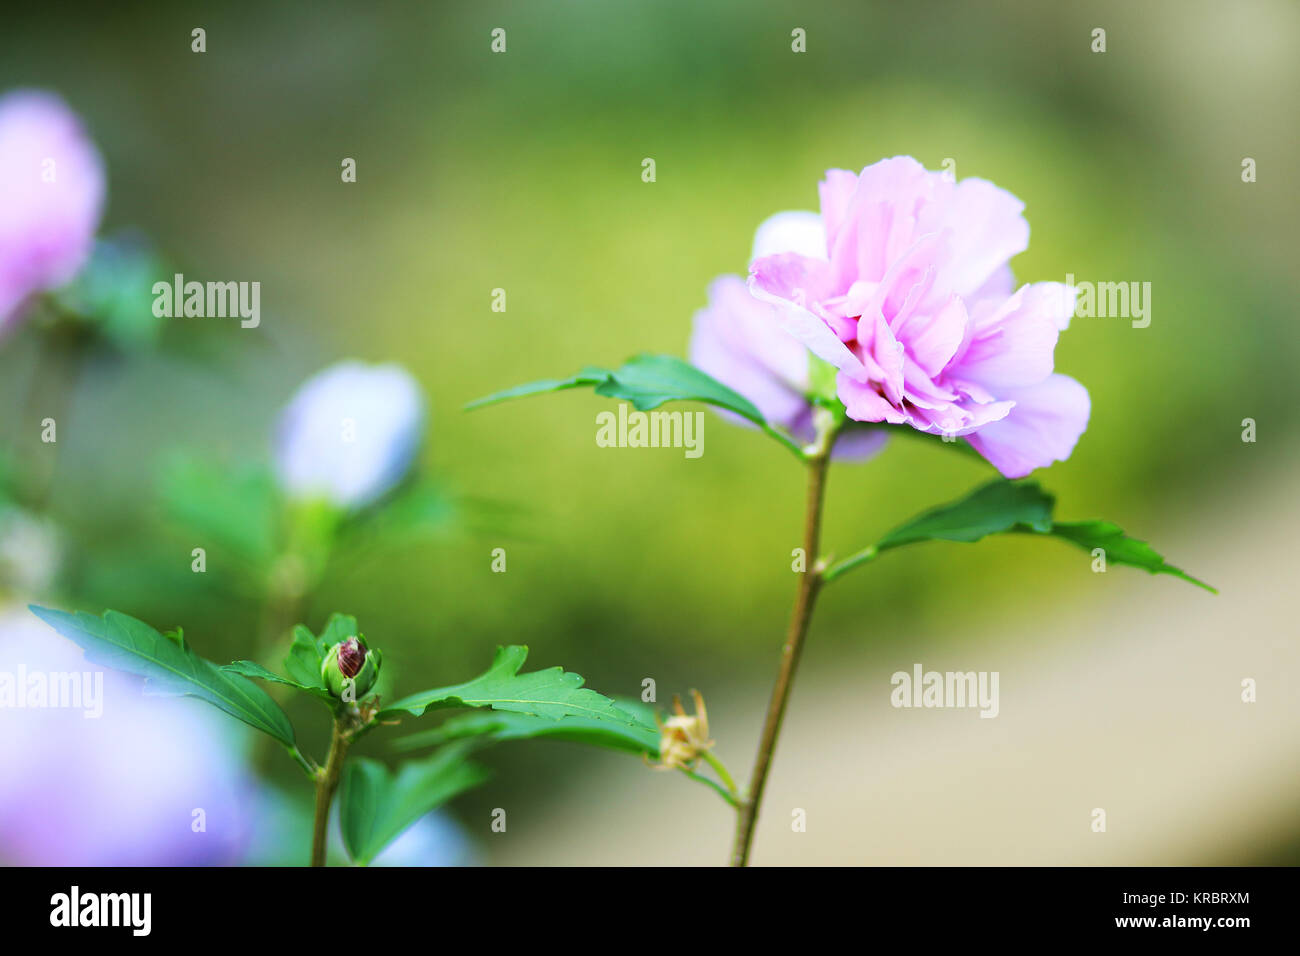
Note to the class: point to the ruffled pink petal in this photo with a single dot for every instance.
(958, 419)
(863, 403)
(883, 356)
(932, 340)
(985, 227)
(835, 193)
(1013, 346)
(792, 282)
(1044, 427)
(738, 340)
(882, 217)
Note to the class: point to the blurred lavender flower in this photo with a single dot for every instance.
(121, 789)
(349, 434)
(51, 196)
(284, 824)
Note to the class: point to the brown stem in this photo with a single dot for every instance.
(327, 781)
(810, 583)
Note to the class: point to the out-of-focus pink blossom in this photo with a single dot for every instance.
(118, 779)
(907, 292)
(51, 197)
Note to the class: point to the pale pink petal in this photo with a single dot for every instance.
(1012, 347)
(986, 229)
(882, 355)
(790, 281)
(1044, 426)
(882, 217)
(835, 193)
(859, 444)
(932, 340)
(738, 340)
(864, 403)
(958, 419)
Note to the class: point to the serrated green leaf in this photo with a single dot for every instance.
(588, 376)
(498, 727)
(305, 657)
(1019, 507)
(339, 628)
(376, 806)
(1120, 548)
(258, 672)
(552, 693)
(993, 508)
(303, 662)
(119, 641)
(648, 381)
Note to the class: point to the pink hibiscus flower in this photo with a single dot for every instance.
(902, 285)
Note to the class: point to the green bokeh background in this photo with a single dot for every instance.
(523, 172)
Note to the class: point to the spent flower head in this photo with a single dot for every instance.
(683, 737)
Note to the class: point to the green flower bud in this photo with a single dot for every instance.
(350, 668)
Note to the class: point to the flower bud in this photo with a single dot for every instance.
(350, 668)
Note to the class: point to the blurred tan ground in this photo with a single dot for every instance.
(1132, 706)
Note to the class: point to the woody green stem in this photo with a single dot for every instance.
(810, 582)
(327, 781)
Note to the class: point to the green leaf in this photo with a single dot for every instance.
(997, 506)
(375, 806)
(1120, 548)
(552, 693)
(257, 671)
(304, 660)
(648, 381)
(339, 628)
(497, 727)
(1019, 507)
(119, 641)
(590, 375)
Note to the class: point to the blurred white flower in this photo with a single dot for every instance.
(30, 552)
(349, 434)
